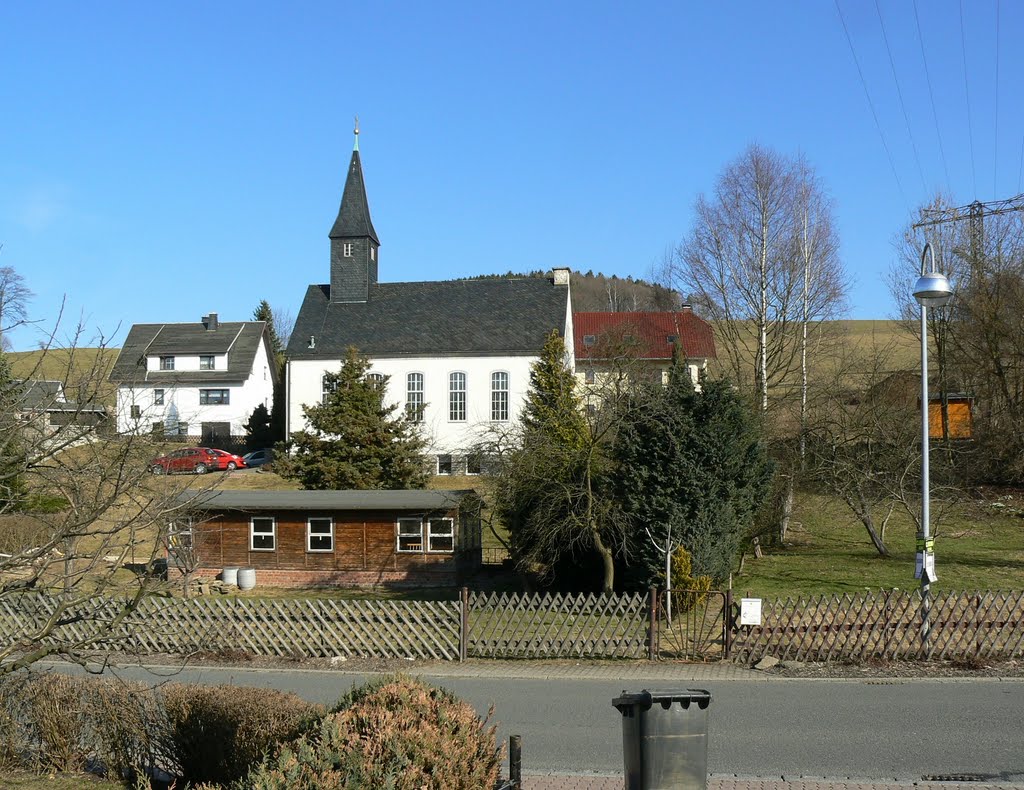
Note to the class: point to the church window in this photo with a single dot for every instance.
(414, 397)
(457, 397)
(499, 396)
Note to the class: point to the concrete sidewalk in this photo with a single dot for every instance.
(587, 670)
(724, 782)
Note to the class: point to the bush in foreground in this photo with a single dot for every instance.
(397, 733)
(218, 733)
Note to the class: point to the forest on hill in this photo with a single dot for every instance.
(599, 293)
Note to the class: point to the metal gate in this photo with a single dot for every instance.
(693, 625)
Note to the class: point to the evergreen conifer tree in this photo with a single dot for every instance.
(693, 461)
(258, 430)
(354, 439)
(12, 450)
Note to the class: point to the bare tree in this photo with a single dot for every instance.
(976, 339)
(14, 298)
(864, 446)
(761, 262)
(82, 524)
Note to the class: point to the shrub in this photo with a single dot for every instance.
(129, 726)
(689, 591)
(217, 733)
(396, 733)
(56, 721)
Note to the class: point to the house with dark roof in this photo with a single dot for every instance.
(44, 411)
(642, 340)
(200, 380)
(456, 354)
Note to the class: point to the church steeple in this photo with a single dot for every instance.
(354, 242)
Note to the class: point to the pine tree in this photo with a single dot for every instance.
(354, 440)
(551, 489)
(258, 430)
(263, 312)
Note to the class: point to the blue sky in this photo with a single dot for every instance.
(161, 161)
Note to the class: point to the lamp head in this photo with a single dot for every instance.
(933, 290)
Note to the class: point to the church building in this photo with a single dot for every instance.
(457, 353)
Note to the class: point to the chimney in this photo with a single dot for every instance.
(210, 322)
(561, 275)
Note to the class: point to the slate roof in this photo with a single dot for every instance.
(238, 339)
(456, 317)
(325, 500)
(651, 331)
(40, 392)
(354, 213)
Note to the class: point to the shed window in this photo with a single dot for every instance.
(410, 535)
(320, 534)
(441, 535)
(262, 534)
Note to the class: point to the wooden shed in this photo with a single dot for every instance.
(331, 538)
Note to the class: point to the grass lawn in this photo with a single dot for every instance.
(977, 547)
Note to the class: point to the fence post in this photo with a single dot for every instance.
(463, 623)
(727, 624)
(515, 761)
(652, 623)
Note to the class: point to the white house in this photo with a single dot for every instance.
(457, 353)
(609, 343)
(193, 379)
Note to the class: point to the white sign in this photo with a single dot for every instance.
(750, 611)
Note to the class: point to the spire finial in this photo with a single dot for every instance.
(355, 146)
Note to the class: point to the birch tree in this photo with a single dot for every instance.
(761, 262)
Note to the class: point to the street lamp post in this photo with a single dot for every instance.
(931, 290)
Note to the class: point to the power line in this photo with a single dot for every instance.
(995, 147)
(871, 104)
(967, 94)
(931, 96)
(899, 93)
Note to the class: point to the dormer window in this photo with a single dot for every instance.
(346, 249)
(589, 340)
(166, 363)
(670, 339)
(207, 362)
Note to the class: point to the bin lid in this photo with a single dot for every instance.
(645, 699)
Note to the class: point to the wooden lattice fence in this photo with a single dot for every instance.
(262, 626)
(885, 625)
(557, 626)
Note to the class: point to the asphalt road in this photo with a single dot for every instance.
(879, 730)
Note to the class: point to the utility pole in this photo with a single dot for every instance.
(975, 214)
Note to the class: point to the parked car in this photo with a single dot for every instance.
(195, 460)
(228, 460)
(259, 457)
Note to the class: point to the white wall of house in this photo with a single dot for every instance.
(444, 435)
(181, 403)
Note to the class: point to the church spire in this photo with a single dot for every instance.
(354, 241)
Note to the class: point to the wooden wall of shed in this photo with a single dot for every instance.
(363, 541)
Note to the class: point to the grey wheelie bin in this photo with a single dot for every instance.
(665, 739)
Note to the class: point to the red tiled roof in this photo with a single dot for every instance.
(650, 330)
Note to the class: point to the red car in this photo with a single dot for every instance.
(195, 460)
(228, 460)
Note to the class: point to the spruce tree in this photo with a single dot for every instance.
(263, 312)
(258, 430)
(354, 440)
